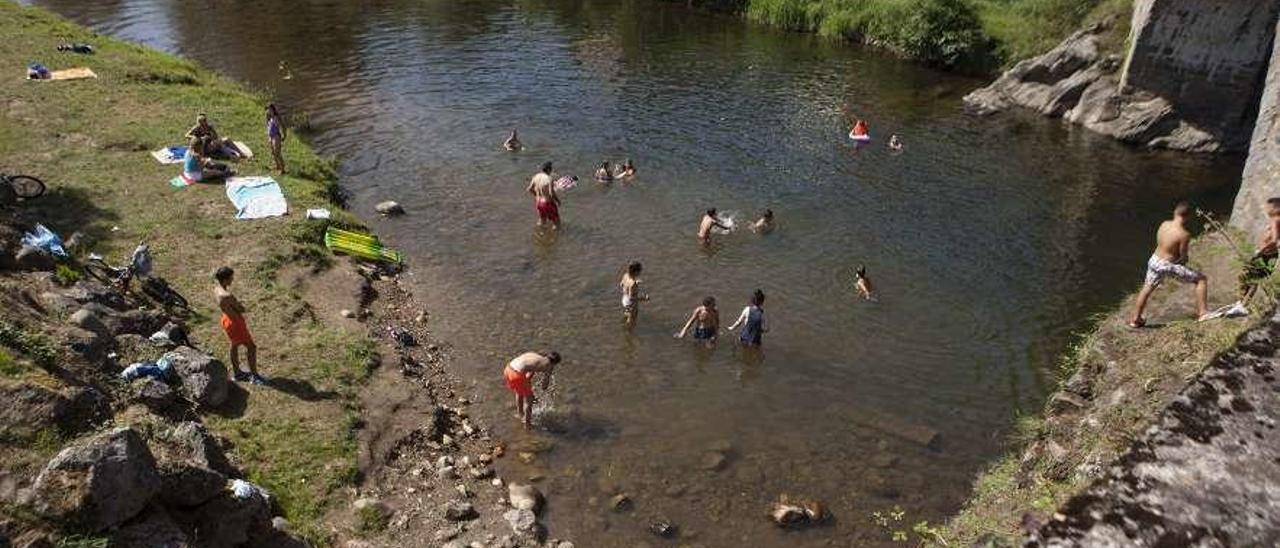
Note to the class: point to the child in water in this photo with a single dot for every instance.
(513, 142)
(862, 283)
(626, 170)
(752, 321)
(895, 144)
(603, 174)
(764, 224)
(707, 320)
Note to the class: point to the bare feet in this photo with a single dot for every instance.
(1137, 323)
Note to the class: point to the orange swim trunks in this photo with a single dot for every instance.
(518, 382)
(237, 330)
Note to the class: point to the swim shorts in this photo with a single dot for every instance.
(518, 382)
(1159, 268)
(237, 329)
(704, 333)
(548, 211)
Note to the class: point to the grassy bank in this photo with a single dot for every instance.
(1114, 383)
(88, 139)
(972, 34)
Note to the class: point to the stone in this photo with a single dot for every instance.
(30, 408)
(453, 544)
(347, 313)
(89, 345)
(280, 524)
(523, 522)
(98, 483)
(457, 510)
(367, 507)
(186, 484)
(481, 473)
(204, 378)
(30, 259)
(620, 502)
(155, 394)
(448, 472)
(524, 497)
(712, 461)
(790, 514)
(389, 207)
(227, 520)
(155, 527)
(1065, 402)
(86, 319)
(201, 447)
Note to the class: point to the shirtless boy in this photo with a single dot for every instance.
(764, 224)
(631, 295)
(709, 221)
(519, 376)
(705, 322)
(862, 282)
(545, 199)
(1263, 262)
(236, 328)
(1169, 261)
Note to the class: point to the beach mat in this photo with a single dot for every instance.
(170, 155)
(256, 197)
(181, 182)
(364, 246)
(70, 74)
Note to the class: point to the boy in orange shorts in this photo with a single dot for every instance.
(236, 328)
(519, 376)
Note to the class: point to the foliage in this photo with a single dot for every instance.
(370, 519)
(81, 541)
(8, 366)
(66, 275)
(33, 345)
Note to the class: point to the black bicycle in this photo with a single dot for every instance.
(24, 186)
(121, 276)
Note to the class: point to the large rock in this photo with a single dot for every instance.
(204, 378)
(201, 447)
(90, 345)
(154, 528)
(456, 510)
(523, 523)
(1259, 181)
(227, 520)
(524, 497)
(98, 483)
(30, 408)
(88, 320)
(91, 291)
(1045, 84)
(31, 259)
(155, 394)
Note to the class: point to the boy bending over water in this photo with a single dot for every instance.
(519, 377)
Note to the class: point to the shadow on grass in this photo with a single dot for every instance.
(236, 404)
(302, 390)
(65, 211)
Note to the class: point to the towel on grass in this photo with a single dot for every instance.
(170, 155)
(70, 74)
(256, 197)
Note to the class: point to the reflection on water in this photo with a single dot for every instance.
(989, 240)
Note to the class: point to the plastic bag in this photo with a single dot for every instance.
(45, 240)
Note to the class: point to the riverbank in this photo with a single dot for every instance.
(971, 35)
(317, 319)
(1115, 383)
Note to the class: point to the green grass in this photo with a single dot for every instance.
(948, 33)
(88, 140)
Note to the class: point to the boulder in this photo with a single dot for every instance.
(228, 520)
(98, 483)
(523, 522)
(87, 320)
(201, 447)
(89, 345)
(155, 394)
(388, 208)
(524, 497)
(456, 510)
(30, 259)
(187, 484)
(30, 408)
(204, 378)
(153, 528)
(140, 322)
(371, 508)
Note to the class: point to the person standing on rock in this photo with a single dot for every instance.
(1170, 261)
(519, 376)
(752, 321)
(236, 328)
(545, 199)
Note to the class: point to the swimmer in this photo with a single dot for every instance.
(631, 295)
(862, 283)
(603, 174)
(709, 221)
(859, 129)
(513, 142)
(705, 322)
(764, 224)
(626, 170)
(519, 376)
(895, 144)
(545, 199)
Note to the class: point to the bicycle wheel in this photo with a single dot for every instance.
(160, 290)
(26, 186)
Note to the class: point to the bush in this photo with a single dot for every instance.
(66, 275)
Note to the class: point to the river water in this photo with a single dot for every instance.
(990, 241)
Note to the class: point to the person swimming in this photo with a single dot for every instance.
(603, 174)
(895, 144)
(705, 321)
(859, 130)
(709, 221)
(626, 170)
(862, 282)
(513, 142)
(764, 224)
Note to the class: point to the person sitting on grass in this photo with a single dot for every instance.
(214, 145)
(196, 167)
(236, 328)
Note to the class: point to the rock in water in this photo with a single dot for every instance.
(389, 208)
(524, 497)
(712, 461)
(204, 379)
(98, 483)
(522, 522)
(789, 513)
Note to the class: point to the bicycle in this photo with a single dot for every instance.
(24, 186)
(121, 276)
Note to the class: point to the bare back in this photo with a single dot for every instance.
(542, 188)
(227, 302)
(1172, 240)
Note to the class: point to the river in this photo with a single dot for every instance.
(990, 241)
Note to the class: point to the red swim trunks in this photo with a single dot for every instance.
(548, 211)
(518, 382)
(237, 330)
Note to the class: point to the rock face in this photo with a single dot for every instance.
(1190, 81)
(204, 379)
(1207, 471)
(1261, 179)
(98, 483)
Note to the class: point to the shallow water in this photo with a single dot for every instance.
(989, 240)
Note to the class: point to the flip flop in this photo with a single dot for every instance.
(1137, 324)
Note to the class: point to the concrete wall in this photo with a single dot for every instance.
(1207, 57)
(1261, 179)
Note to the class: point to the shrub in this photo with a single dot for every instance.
(66, 275)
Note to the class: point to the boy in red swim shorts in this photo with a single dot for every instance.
(545, 198)
(519, 377)
(236, 328)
